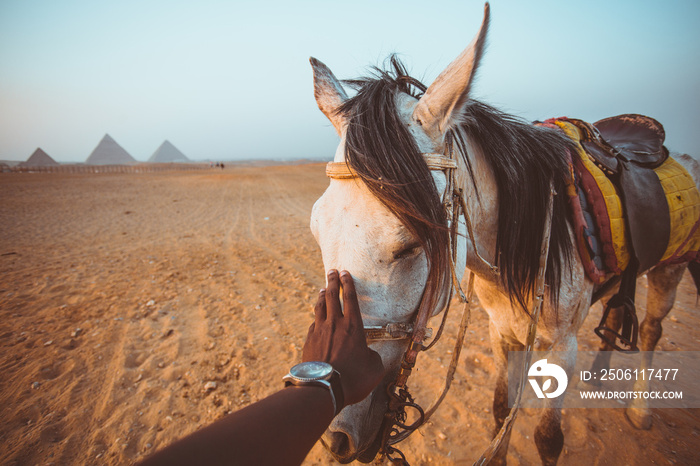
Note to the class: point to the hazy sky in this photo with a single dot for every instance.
(231, 80)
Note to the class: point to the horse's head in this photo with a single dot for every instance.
(385, 223)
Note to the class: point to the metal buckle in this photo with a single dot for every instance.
(393, 331)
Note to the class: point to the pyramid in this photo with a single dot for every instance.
(39, 159)
(167, 153)
(108, 152)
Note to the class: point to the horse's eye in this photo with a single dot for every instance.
(408, 251)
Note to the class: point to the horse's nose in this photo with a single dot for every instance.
(340, 445)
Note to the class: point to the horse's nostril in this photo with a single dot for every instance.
(339, 444)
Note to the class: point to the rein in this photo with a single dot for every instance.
(504, 431)
(394, 428)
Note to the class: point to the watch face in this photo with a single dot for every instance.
(312, 370)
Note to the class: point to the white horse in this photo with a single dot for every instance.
(385, 223)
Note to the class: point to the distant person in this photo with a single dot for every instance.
(282, 428)
(222, 165)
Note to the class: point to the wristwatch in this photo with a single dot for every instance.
(320, 374)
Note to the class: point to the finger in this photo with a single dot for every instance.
(351, 307)
(320, 309)
(333, 295)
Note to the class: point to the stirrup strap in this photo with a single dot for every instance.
(624, 299)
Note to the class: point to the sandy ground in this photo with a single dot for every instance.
(123, 296)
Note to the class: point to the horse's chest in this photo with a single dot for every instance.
(511, 323)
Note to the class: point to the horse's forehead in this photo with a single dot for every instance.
(350, 203)
(405, 105)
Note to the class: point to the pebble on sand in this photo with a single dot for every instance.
(211, 385)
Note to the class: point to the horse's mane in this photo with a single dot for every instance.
(524, 158)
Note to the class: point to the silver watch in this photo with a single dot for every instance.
(320, 374)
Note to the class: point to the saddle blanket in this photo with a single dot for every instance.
(598, 215)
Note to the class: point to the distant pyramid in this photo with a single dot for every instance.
(167, 153)
(39, 159)
(108, 152)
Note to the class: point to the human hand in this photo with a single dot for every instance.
(338, 338)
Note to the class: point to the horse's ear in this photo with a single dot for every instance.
(446, 98)
(329, 94)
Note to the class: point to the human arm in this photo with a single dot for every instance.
(282, 428)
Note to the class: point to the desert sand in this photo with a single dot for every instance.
(138, 307)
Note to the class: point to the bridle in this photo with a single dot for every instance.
(394, 428)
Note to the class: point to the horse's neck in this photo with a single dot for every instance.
(482, 210)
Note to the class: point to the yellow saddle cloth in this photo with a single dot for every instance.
(599, 217)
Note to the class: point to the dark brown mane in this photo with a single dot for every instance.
(525, 159)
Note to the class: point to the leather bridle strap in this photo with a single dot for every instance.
(495, 444)
(342, 171)
(392, 331)
(459, 342)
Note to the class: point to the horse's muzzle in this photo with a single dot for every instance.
(340, 445)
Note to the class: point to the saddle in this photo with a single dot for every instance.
(622, 139)
(627, 148)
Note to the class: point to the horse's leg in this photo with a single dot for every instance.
(500, 397)
(661, 294)
(548, 435)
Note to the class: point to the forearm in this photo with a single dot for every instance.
(279, 430)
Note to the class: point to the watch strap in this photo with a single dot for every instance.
(337, 390)
(317, 383)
